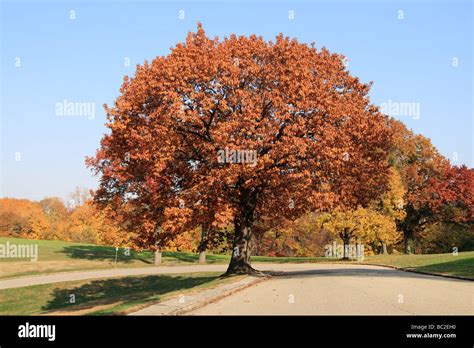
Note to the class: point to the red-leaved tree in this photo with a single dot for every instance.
(447, 197)
(220, 131)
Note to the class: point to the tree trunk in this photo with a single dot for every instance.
(158, 257)
(409, 243)
(408, 239)
(258, 247)
(157, 246)
(384, 249)
(346, 249)
(359, 251)
(202, 244)
(202, 257)
(346, 238)
(242, 246)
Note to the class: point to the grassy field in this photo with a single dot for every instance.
(447, 264)
(57, 256)
(103, 297)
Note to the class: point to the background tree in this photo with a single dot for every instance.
(375, 230)
(392, 203)
(302, 237)
(79, 197)
(417, 161)
(344, 224)
(22, 218)
(316, 138)
(56, 214)
(379, 231)
(447, 237)
(88, 224)
(448, 196)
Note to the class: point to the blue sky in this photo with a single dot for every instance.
(422, 55)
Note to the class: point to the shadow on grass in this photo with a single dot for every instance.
(270, 259)
(103, 292)
(103, 253)
(193, 258)
(179, 256)
(463, 267)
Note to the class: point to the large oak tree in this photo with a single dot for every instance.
(315, 140)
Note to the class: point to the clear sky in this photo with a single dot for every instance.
(417, 53)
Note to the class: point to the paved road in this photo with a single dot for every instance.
(349, 290)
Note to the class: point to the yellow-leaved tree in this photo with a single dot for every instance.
(362, 225)
(22, 218)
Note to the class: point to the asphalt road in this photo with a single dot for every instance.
(349, 290)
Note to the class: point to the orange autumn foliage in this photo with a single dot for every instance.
(314, 137)
(22, 218)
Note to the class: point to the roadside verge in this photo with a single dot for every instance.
(186, 303)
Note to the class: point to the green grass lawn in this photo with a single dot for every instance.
(58, 256)
(105, 296)
(447, 264)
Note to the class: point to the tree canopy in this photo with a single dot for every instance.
(316, 141)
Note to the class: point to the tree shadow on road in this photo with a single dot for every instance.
(360, 272)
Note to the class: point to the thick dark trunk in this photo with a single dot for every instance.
(242, 246)
(346, 239)
(408, 238)
(408, 245)
(241, 249)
